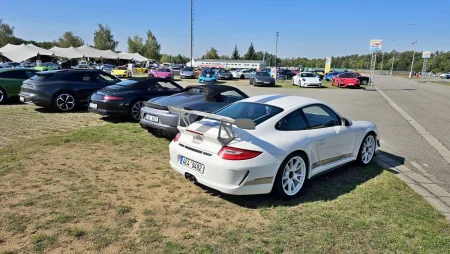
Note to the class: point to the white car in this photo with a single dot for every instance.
(445, 75)
(243, 73)
(306, 79)
(268, 143)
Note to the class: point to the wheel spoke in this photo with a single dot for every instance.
(290, 183)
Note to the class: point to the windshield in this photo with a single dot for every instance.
(188, 69)
(122, 68)
(307, 75)
(262, 74)
(126, 82)
(256, 111)
(163, 70)
(207, 71)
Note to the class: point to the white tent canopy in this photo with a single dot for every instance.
(19, 53)
(89, 52)
(68, 52)
(134, 56)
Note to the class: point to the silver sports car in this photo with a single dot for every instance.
(156, 118)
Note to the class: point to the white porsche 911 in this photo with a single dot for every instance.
(306, 79)
(267, 143)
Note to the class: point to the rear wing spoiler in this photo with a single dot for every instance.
(226, 123)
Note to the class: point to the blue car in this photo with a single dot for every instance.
(207, 76)
(330, 75)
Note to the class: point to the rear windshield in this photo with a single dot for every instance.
(256, 111)
(308, 75)
(188, 69)
(122, 68)
(39, 77)
(262, 74)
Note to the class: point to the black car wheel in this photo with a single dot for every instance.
(3, 96)
(364, 82)
(135, 110)
(242, 76)
(64, 101)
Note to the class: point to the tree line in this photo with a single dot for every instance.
(150, 48)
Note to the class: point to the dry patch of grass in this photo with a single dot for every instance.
(109, 189)
(24, 121)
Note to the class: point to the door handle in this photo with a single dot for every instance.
(320, 141)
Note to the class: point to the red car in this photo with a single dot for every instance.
(346, 79)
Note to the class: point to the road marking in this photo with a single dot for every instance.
(426, 165)
(434, 142)
(423, 171)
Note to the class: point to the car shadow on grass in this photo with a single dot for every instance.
(52, 111)
(324, 187)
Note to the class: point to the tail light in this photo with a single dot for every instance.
(112, 98)
(175, 139)
(232, 153)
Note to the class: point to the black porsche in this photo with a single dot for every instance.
(126, 98)
(64, 90)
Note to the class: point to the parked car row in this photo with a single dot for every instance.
(222, 138)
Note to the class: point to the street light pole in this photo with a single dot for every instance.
(192, 33)
(276, 54)
(415, 45)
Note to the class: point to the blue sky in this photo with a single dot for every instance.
(307, 28)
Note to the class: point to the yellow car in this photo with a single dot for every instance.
(141, 70)
(121, 72)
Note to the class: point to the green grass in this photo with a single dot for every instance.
(103, 188)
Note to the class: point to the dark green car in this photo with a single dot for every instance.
(10, 81)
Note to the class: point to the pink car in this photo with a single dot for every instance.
(151, 72)
(163, 73)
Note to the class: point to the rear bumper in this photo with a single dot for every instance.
(312, 85)
(167, 122)
(260, 83)
(182, 75)
(247, 177)
(109, 109)
(32, 98)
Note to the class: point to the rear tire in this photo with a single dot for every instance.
(367, 150)
(364, 82)
(291, 176)
(134, 112)
(242, 77)
(64, 102)
(3, 96)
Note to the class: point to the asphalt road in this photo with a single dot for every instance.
(428, 104)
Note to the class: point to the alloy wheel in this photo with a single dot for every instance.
(65, 102)
(294, 174)
(368, 149)
(136, 110)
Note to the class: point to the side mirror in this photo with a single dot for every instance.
(348, 122)
(245, 123)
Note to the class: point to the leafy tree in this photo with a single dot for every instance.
(250, 55)
(235, 55)
(68, 39)
(151, 47)
(6, 33)
(135, 44)
(211, 54)
(103, 38)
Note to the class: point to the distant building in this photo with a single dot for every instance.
(228, 64)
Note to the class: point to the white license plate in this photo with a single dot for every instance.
(93, 105)
(351, 84)
(152, 118)
(191, 164)
(266, 82)
(22, 99)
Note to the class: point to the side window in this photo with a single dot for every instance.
(103, 77)
(166, 86)
(229, 97)
(78, 77)
(292, 122)
(13, 75)
(320, 116)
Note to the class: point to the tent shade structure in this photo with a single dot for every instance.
(135, 56)
(20, 53)
(68, 52)
(89, 52)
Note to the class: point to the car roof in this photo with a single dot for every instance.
(213, 90)
(282, 100)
